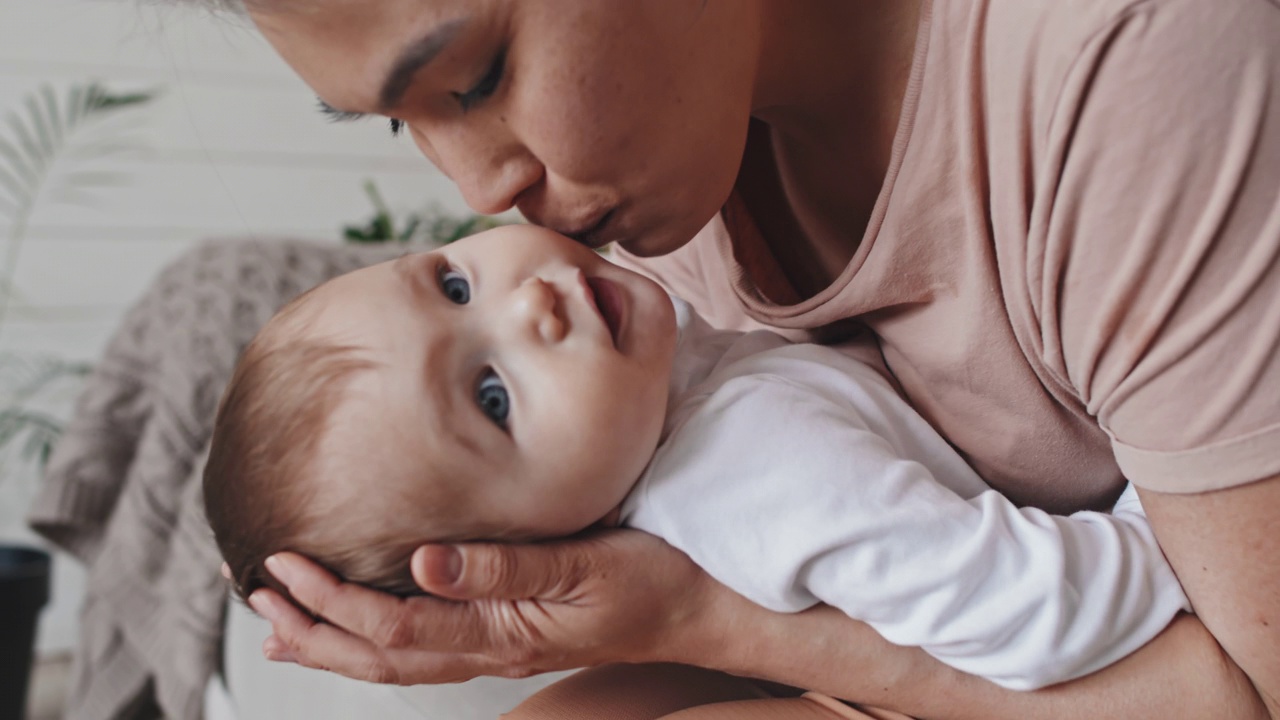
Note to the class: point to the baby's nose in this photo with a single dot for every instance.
(537, 306)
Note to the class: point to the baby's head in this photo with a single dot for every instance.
(512, 385)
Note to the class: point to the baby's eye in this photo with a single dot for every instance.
(492, 397)
(454, 285)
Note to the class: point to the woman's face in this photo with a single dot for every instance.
(606, 120)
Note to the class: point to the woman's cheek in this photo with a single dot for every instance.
(585, 128)
(425, 147)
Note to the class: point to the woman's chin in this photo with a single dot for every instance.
(658, 242)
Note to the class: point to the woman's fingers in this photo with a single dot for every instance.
(322, 646)
(326, 596)
(304, 641)
(499, 571)
(494, 609)
(383, 620)
(274, 649)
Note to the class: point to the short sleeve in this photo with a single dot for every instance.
(1159, 274)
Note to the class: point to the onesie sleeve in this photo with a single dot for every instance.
(1159, 273)
(787, 495)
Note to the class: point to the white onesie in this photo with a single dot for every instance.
(797, 475)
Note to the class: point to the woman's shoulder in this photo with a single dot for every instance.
(1159, 205)
(1051, 41)
(1058, 25)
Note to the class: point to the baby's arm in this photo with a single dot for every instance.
(794, 494)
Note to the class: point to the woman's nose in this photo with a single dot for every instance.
(488, 164)
(536, 310)
(494, 189)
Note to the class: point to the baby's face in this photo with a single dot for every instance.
(517, 367)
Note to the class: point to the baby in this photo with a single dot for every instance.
(517, 386)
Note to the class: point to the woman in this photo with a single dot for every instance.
(1061, 221)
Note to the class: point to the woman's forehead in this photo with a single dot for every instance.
(357, 54)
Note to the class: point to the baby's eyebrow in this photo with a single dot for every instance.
(405, 269)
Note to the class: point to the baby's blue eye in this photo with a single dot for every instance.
(455, 287)
(491, 394)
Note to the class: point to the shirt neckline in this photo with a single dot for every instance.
(749, 295)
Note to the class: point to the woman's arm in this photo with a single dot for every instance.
(626, 596)
(1226, 548)
(1180, 674)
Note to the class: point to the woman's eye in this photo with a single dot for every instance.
(492, 397)
(396, 127)
(455, 287)
(486, 86)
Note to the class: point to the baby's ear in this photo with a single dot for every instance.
(612, 520)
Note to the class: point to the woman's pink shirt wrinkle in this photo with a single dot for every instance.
(1074, 265)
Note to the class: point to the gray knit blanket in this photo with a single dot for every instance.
(122, 489)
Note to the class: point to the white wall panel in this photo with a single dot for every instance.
(161, 39)
(236, 199)
(64, 275)
(80, 339)
(277, 121)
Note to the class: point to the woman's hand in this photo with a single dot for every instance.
(495, 609)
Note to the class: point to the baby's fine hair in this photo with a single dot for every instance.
(261, 476)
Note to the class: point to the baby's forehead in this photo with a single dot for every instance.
(340, 308)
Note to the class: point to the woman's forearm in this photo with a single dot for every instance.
(1183, 673)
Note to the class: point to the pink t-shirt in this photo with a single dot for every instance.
(1073, 266)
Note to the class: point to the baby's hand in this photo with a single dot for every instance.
(497, 609)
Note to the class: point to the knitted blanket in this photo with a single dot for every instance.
(122, 490)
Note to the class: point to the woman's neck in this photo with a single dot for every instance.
(825, 63)
(830, 87)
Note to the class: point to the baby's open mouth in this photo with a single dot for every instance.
(608, 301)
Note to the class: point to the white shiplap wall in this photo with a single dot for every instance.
(231, 148)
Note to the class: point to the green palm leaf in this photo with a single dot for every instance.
(28, 386)
(46, 136)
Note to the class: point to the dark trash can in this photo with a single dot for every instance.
(24, 590)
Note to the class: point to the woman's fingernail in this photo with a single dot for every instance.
(276, 651)
(279, 568)
(452, 566)
(261, 604)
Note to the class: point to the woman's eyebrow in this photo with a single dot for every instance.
(413, 58)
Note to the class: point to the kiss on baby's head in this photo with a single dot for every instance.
(511, 385)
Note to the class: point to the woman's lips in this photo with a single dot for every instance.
(593, 235)
(608, 301)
